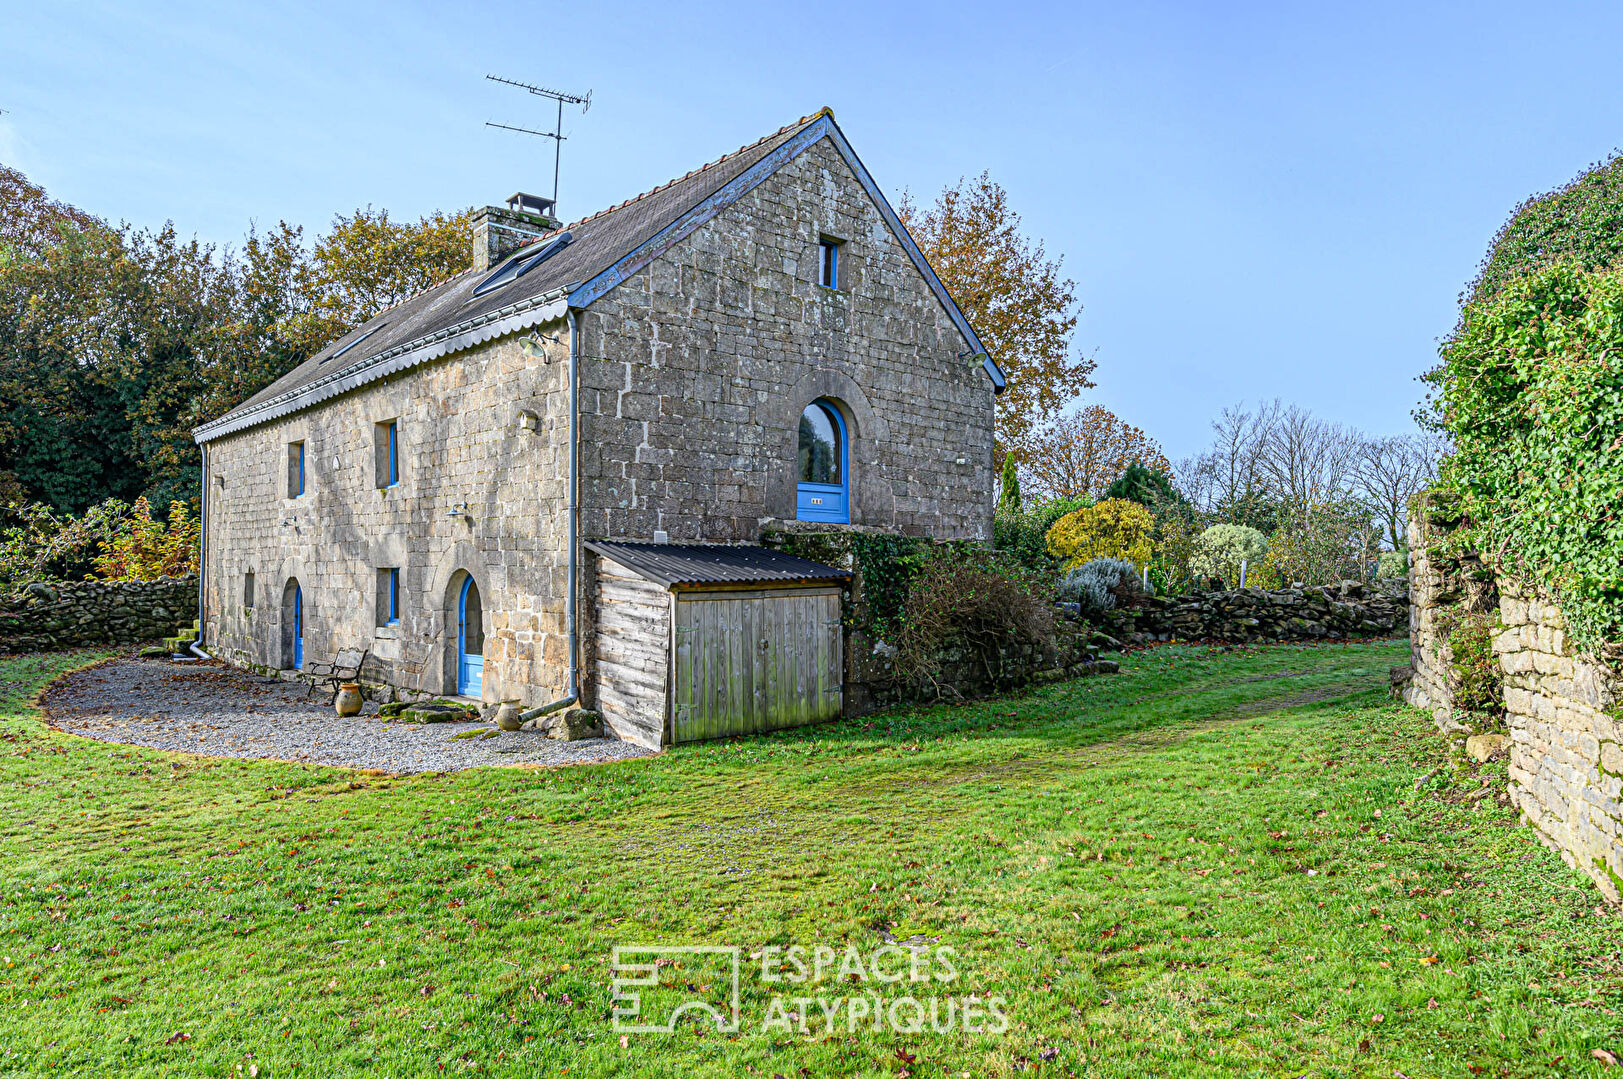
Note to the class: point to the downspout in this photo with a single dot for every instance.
(202, 553)
(572, 679)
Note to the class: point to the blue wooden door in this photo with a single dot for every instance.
(298, 628)
(470, 642)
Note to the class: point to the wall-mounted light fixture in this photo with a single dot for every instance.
(534, 346)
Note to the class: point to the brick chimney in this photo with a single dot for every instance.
(498, 231)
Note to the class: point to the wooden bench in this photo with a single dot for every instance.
(344, 667)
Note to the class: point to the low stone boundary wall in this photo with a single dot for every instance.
(1566, 756)
(43, 617)
(1244, 615)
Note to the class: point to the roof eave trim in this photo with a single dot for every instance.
(741, 185)
(521, 315)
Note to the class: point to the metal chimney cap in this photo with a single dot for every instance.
(522, 203)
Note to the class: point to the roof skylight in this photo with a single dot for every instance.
(519, 265)
(357, 341)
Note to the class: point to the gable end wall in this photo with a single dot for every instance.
(695, 370)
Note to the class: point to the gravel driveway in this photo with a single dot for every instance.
(221, 711)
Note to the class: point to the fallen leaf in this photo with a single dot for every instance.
(177, 1036)
(1607, 1058)
(625, 1042)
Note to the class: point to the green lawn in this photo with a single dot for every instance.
(1211, 863)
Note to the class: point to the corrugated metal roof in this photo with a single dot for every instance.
(679, 564)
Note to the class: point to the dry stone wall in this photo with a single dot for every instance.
(75, 613)
(1338, 612)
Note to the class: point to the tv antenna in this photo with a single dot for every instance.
(557, 134)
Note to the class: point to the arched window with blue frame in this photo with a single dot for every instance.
(824, 465)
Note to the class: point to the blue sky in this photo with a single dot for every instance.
(1255, 200)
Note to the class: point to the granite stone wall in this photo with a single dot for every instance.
(481, 493)
(43, 617)
(1565, 744)
(697, 368)
(1566, 755)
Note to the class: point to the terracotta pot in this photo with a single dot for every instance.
(507, 716)
(349, 699)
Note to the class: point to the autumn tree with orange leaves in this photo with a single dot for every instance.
(1082, 453)
(1013, 295)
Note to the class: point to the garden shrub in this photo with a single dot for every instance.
(1221, 548)
(1022, 531)
(1114, 528)
(1101, 585)
(981, 599)
(1393, 564)
(142, 549)
(1531, 390)
(1144, 485)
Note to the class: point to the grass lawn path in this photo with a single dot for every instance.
(1212, 863)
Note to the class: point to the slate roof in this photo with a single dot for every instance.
(448, 317)
(677, 565)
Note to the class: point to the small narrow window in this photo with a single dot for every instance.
(248, 591)
(386, 452)
(828, 272)
(388, 597)
(295, 469)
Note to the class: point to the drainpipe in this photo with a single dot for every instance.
(202, 553)
(572, 680)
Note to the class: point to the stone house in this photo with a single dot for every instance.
(755, 342)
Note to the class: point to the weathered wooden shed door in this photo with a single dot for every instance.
(748, 661)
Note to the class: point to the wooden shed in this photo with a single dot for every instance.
(696, 641)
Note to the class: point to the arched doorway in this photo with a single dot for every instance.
(292, 625)
(470, 641)
(822, 461)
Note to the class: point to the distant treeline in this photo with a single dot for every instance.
(116, 341)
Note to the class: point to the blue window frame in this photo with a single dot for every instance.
(470, 641)
(828, 270)
(824, 465)
(394, 597)
(393, 475)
